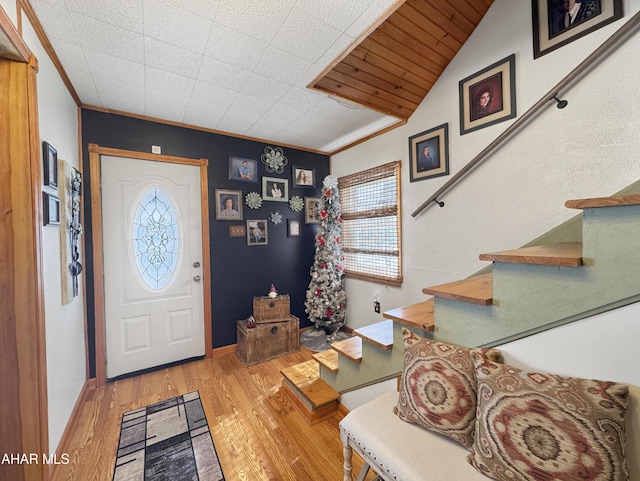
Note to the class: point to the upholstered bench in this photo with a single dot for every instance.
(400, 451)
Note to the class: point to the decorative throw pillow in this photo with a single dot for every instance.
(533, 426)
(438, 387)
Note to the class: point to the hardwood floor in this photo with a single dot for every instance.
(257, 433)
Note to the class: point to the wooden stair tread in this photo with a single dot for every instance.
(612, 201)
(328, 358)
(319, 393)
(350, 348)
(418, 315)
(472, 290)
(561, 254)
(379, 334)
(302, 373)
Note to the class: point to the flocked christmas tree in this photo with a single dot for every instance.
(326, 298)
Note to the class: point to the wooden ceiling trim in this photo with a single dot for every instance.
(378, 83)
(392, 68)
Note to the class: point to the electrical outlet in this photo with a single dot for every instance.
(376, 306)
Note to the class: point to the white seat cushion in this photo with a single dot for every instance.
(407, 452)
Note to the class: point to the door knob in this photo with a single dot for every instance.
(196, 278)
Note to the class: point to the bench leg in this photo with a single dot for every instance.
(347, 453)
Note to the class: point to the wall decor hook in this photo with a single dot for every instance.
(439, 202)
(561, 103)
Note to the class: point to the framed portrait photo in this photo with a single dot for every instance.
(429, 153)
(228, 204)
(303, 177)
(312, 206)
(51, 209)
(244, 170)
(559, 22)
(275, 189)
(50, 165)
(257, 233)
(489, 96)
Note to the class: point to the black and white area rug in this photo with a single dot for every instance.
(167, 441)
(316, 340)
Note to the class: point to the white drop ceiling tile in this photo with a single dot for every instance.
(204, 8)
(326, 10)
(223, 74)
(204, 114)
(165, 106)
(37, 3)
(176, 26)
(234, 48)
(370, 16)
(231, 126)
(280, 65)
(84, 86)
(108, 66)
(278, 117)
(264, 88)
(208, 93)
(71, 55)
(247, 109)
(171, 83)
(305, 36)
(171, 58)
(260, 19)
(336, 49)
(123, 13)
(119, 95)
(262, 131)
(55, 21)
(107, 38)
(301, 98)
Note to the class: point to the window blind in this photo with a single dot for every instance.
(371, 241)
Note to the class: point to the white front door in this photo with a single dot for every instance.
(152, 241)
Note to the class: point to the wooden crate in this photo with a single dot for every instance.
(267, 340)
(271, 309)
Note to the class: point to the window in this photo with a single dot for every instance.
(371, 241)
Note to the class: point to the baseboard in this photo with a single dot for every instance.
(89, 385)
(341, 412)
(221, 351)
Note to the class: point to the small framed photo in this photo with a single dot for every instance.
(275, 189)
(51, 209)
(489, 96)
(312, 207)
(429, 153)
(293, 228)
(50, 165)
(257, 233)
(244, 170)
(228, 204)
(304, 177)
(559, 22)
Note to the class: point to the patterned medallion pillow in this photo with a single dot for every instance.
(543, 427)
(438, 387)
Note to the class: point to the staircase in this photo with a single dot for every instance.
(529, 290)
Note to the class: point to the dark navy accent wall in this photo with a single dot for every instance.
(239, 272)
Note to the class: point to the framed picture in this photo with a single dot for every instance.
(244, 170)
(429, 153)
(312, 207)
(293, 228)
(275, 189)
(489, 96)
(50, 165)
(237, 231)
(228, 204)
(51, 209)
(304, 177)
(559, 22)
(257, 233)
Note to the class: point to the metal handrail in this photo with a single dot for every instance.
(618, 36)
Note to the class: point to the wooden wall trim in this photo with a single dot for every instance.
(95, 152)
(14, 47)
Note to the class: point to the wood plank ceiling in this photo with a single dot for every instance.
(392, 68)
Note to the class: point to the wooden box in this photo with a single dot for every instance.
(268, 340)
(271, 309)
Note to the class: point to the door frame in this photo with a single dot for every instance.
(95, 153)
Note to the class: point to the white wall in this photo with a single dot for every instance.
(589, 149)
(65, 343)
